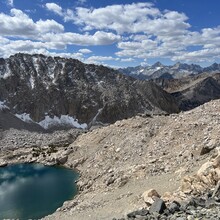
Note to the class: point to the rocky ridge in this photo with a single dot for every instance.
(118, 163)
(39, 89)
(176, 71)
(192, 91)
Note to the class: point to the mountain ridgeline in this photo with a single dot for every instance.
(176, 71)
(41, 86)
(192, 91)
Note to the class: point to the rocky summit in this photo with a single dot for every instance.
(42, 89)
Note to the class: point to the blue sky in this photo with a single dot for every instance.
(111, 32)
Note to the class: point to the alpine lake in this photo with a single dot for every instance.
(33, 191)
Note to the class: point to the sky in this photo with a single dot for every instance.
(112, 32)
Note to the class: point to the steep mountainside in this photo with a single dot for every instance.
(192, 91)
(46, 89)
(159, 70)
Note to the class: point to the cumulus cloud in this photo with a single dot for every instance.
(120, 18)
(55, 41)
(132, 18)
(19, 24)
(138, 30)
(98, 38)
(26, 46)
(54, 8)
(100, 59)
(85, 51)
(44, 35)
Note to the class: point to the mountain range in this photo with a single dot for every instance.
(158, 70)
(55, 91)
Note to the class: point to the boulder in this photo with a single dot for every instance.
(174, 207)
(158, 206)
(62, 159)
(3, 163)
(149, 196)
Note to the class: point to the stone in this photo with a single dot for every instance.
(210, 203)
(206, 149)
(149, 196)
(110, 180)
(3, 163)
(174, 207)
(142, 212)
(62, 159)
(158, 206)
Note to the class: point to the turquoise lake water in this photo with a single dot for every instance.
(32, 191)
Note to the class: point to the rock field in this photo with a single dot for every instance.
(119, 162)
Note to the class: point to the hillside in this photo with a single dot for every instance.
(50, 90)
(192, 91)
(117, 163)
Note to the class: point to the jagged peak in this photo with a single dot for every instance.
(158, 64)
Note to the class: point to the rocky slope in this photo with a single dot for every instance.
(44, 89)
(159, 70)
(192, 91)
(119, 162)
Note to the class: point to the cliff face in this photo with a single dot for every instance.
(45, 86)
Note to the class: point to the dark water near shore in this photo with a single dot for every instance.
(32, 191)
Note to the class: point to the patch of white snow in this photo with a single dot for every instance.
(25, 117)
(31, 80)
(3, 106)
(49, 122)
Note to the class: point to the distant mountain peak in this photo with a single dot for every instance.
(157, 64)
(178, 70)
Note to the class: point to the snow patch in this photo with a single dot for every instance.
(3, 106)
(49, 122)
(25, 117)
(31, 80)
(7, 72)
(35, 62)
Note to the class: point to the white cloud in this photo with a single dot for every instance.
(98, 38)
(55, 8)
(127, 60)
(85, 51)
(132, 18)
(120, 18)
(139, 30)
(26, 46)
(19, 24)
(100, 59)
(67, 14)
(198, 56)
